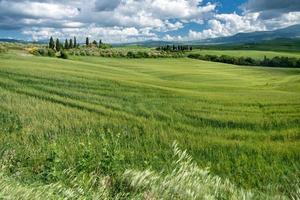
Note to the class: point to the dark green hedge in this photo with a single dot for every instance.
(248, 61)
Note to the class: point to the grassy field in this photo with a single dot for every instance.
(247, 53)
(106, 114)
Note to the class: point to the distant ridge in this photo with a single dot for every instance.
(290, 32)
(22, 41)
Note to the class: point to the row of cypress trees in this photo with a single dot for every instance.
(71, 43)
(57, 45)
(94, 43)
(175, 48)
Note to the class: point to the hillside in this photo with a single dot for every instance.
(107, 115)
(288, 33)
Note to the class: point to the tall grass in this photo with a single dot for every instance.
(182, 180)
(242, 123)
(186, 181)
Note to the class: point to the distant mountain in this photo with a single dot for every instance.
(259, 36)
(11, 40)
(22, 41)
(289, 32)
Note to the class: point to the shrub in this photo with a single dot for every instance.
(42, 52)
(130, 54)
(64, 55)
(51, 53)
(3, 49)
(104, 46)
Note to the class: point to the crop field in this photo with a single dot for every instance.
(112, 114)
(247, 53)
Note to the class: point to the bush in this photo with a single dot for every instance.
(51, 53)
(130, 54)
(105, 46)
(42, 52)
(3, 49)
(64, 55)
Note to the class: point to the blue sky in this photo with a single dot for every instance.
(136, 20)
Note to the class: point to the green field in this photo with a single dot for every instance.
(247, 53)
(241, 122)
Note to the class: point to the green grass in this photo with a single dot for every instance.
(242, 122)
(248, 53)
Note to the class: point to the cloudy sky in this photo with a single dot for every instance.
(136, 20)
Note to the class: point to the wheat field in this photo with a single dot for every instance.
(111, 114)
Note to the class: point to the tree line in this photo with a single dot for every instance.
(72, 43)
(174, 48)
(248, 61)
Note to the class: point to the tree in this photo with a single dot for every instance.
(95, 43)
(87, 42)
(71, 44)
(51, 43)
(100, 43)
(66, 44)
(57, 45)
(75, 42)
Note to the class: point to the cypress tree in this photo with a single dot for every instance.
(100, 43)
(71, 44)
(57, 45)
(66, 44)
(87, 42)
(75, 42)
(51, 43)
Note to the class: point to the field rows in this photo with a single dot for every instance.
(242, 122)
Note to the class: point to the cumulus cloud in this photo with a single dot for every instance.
(134, 20)
(258, 15)
(42, 18)
(267, 5)
(103, 5)
(271, 9)
(109, 34)
(37, 10)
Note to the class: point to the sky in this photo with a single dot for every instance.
(119, 21)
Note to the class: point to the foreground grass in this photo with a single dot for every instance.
(185, 180)
(110, 115)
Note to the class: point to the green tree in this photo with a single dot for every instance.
(87, 41)
(75, 42)
(57, 45)
(66, 44)
(51, 43)
(100, 43)
(95, 43)
(71, 44)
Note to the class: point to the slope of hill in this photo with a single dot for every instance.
(289, 32)
(106, 115)
(279, 45)
(292, 32)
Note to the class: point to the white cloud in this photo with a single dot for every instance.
(138, 18)
(38, 10)
(108, 34)
(230, 24)
(121, 20)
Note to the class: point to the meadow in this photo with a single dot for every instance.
(106, 115)
(247, 53)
